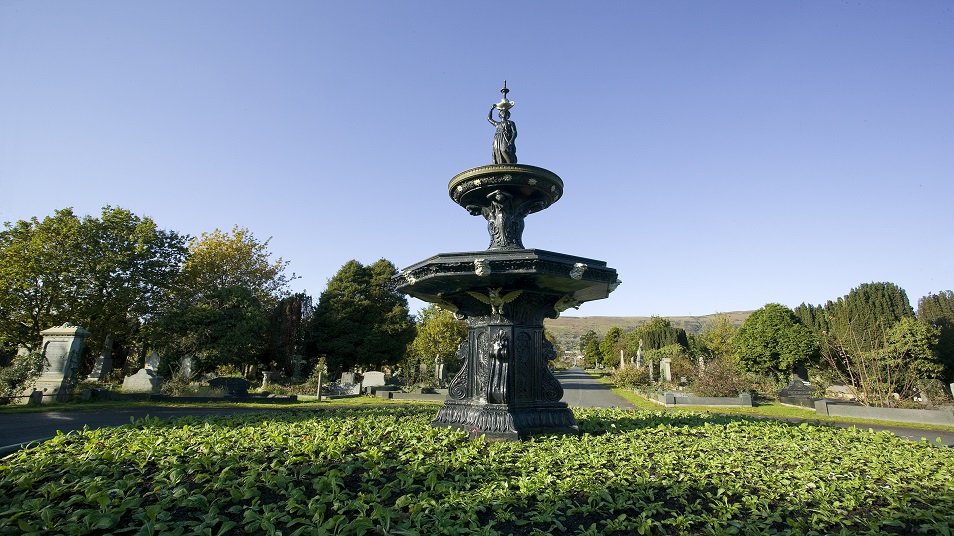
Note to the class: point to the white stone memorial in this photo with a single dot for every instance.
(665, 369)
(146, 380)
(62, 351)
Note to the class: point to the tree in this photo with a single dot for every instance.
(110, 274)
(218, 260)
(586, 338)
(591, 354)
(937, 310)
(39, 280)
(658, 333)
(286, 333)
(360, 320)
(772, 339)
(716, 339)
(438, 335)
(610, 347)
(883, 361)
(866, 309)
(222, 327)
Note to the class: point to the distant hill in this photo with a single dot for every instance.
(567, 329)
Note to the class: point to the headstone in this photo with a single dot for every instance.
(62, 347)
(36, 398)
(652, 371)
(799, 391)
(639, 355)
(143, 381)
(665, 369)
(702, 364)
(622, 360)
(152, 362)
(373, 378)
(103, 364)
(346, 377)
(185, 367)
(233, 386)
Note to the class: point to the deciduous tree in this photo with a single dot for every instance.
(438, 335)
(219, 260)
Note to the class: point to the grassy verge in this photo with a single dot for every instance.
(763, 409)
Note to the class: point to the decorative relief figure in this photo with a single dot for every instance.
(565, 303)
(482, 267)
(499, 357)
(495, 299)
(505, 148)
(577, 271)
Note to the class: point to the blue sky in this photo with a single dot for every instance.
(719, 155)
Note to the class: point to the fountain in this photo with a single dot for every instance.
(505, 390)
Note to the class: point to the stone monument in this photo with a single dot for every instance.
(146, 380)
(799, 390)
(505, 389)
(62, 351)
(104, 363)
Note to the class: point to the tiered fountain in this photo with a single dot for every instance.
(505, 389)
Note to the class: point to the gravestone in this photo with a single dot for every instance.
(372, 380)
(143, 381)
(185, 367)
(346, 378)
(103, 364)
(799, 391)
(231, 385)
(152, 362)
(665, 369)
(652, 371)
(62, 348)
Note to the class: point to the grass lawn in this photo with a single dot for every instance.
(381, 469)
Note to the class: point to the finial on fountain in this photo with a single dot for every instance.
(504, 104)
(505, 148)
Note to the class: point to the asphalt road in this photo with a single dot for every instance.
(580, 390)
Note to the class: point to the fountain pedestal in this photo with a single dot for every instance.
(505, 389)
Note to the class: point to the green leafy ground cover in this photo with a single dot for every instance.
(383, 470)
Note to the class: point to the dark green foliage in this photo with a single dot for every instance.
(772, 339)
(937, 310)
(20, 375)
(225, 327)
(360, 320)
(870, 308)
(591, 354)
(659, 333)
(286, 333)
(610, 347)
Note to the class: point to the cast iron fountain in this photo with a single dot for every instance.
(505, 390)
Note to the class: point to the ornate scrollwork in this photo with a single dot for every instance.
(458, 386)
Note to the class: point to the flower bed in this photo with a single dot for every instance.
(385, 470)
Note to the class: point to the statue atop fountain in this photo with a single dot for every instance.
(505, 390)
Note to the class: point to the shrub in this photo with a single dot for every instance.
(20, 375)
(630, 377)
(719, 378)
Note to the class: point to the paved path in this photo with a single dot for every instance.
(580, 390)
(16, 428)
